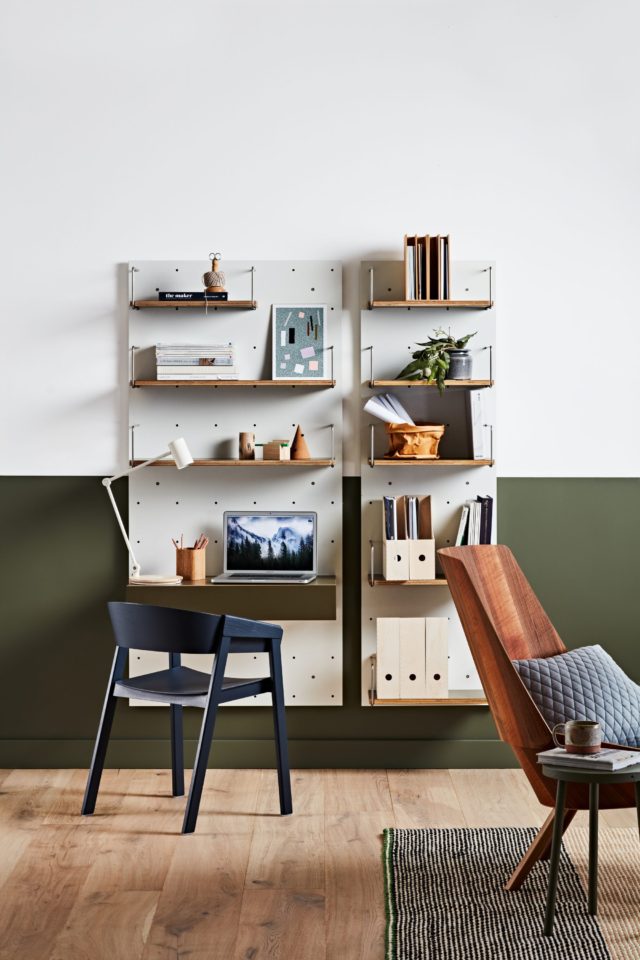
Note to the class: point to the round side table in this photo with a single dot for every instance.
(594, 778)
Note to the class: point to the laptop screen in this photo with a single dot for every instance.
(270, 542)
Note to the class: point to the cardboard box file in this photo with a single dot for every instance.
(410, 559)
(395, 559)
(413, 668)
(412, 658)
(388, 658)
(437, 657)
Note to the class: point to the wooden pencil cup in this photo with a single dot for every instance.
(190, 563)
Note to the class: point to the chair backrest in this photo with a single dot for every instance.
(503, 621)
(143, 626)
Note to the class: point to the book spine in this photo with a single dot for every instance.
(171, 295)
(197, 376)
(196, 372)
(195, 362)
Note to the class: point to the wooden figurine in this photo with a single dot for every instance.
(299, 448)
(247, 446)
(214, 279)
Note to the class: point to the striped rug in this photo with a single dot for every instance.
(445, 899)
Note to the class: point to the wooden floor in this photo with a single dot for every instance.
(125, 885)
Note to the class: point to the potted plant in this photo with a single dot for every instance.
(441, 358)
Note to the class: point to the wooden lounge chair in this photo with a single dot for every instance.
(503, 621)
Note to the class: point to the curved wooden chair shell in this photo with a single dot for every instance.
(503, 621)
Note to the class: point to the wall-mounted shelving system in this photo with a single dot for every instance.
(390, 327)
(248, 464)
(164, 503)
(194, 305)
(237, 384)
(433, 304)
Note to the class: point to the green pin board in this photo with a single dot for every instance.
(299, 333)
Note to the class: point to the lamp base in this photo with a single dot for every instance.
(155, 578)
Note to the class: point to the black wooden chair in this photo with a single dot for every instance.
(140, 626)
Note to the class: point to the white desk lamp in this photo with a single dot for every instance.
(179, 450)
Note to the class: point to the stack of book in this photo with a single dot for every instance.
(476, 522)
(606, 760)
(193, 361)
(176, 296)
(427, 268)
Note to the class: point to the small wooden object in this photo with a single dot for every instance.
(214, 279)
(276, 450)
(190, 563)
(419, 442)
(299, 448)
(247, 446)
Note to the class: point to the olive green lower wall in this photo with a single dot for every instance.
(62, 560)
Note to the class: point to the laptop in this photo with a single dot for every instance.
(269, 547)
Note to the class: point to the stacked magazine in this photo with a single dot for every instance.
(195, 361)
(606, 760)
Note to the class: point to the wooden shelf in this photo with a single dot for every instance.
(318, 384)
(379, 581)
(261, 601)
(456, 698)
(292, 464)
(194, 304)
(446, 304)
(384, 462)
(469, 384)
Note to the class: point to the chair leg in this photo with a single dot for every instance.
(206, 736)
(280, 725)
(538, 850)
(104, 732)
(177, 751)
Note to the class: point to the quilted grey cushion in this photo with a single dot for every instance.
(585, 684)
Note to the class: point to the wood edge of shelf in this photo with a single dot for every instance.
(203, 304)
(318, 384)
(468, 304)
(433, 702)
(379, 581)
(317, 462)
(323, 582)
(391, 462)
(470, 384)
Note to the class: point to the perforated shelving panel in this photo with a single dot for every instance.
(393, 334)
(165, 503)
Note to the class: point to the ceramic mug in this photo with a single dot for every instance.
(580, 736)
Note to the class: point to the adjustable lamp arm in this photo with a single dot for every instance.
(107, 485)
(180, 453)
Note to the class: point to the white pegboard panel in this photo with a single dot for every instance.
(311, 665)
(393, 335)
(164, 502)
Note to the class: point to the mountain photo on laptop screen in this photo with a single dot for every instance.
(269, 542)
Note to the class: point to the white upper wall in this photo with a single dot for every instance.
(323, 130)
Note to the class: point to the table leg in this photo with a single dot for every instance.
(593, 848)
(638, 802)
(554, 861)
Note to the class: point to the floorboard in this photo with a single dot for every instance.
(124, 884)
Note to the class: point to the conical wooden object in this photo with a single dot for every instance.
(299, 448)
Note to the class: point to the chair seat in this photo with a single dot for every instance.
(180, 685)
